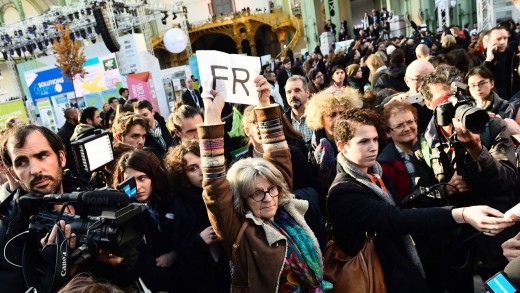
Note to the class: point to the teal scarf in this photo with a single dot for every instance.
(302, 270)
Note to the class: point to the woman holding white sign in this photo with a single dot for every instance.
(252, 209)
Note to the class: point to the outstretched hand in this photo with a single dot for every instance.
(486, 219)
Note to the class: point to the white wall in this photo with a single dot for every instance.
(7, 84)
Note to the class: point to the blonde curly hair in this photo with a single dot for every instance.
(325, 101)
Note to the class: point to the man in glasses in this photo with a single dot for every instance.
(317, 79)
(414, 76)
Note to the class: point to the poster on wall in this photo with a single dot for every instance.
(46, 113)
(94, 79)
(111, 71)
(47, 83)
(10, 109)
(60, 103)
(94, 100)
(112, 93)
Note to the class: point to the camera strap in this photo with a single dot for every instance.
(47, 269)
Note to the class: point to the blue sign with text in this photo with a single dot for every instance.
(47, 83)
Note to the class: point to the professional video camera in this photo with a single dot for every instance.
(461, 106)
(104, 219)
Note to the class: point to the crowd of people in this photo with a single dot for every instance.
(237, 196)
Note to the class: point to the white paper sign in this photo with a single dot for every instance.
(233, 75)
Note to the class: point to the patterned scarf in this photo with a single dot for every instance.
(157, 134)
(301, 271)
(362, 178)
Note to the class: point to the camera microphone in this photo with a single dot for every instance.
(96, 198)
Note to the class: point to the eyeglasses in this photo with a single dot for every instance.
(260, 195)
(479, 85)
(401, 126)
(418, 79)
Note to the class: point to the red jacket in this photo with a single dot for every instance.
(395, 170)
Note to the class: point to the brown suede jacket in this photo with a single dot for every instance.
(262, 250)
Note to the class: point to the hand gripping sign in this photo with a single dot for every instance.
(231, 74)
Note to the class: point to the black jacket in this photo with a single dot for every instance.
(153, 145)
(14, 219)
(391, 81)
(195, 268)
(65, 134)
(187, 99)
(505, 70)
(354, 210)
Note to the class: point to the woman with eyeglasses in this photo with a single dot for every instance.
(398, 158)
(252, 210)
(481, 82)
(361, 202)
(205, 254)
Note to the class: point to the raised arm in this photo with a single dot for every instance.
(217, 193)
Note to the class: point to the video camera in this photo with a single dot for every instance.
(461, 106)
(106, 220)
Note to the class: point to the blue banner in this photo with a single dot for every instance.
(47, 83)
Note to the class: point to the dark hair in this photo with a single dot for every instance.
(397, 56)
(312, 74)
(148, 163)
(286, 60)
(142, 104)
(17, 135)
(461, 59)
(67, 113)
(353, 118)
(480, 70)
(175, 163)
(122, 90)
(110, 100)
(87, 113)
(180, 112)
(442, 59)
(131, 101)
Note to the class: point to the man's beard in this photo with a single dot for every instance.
(52, 187)
(296, 104)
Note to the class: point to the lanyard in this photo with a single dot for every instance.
(376, 179)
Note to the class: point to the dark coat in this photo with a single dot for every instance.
(392, 80)
(187, 99)
(65, 133)
(505, 70)
(354, 210)
(153, 145)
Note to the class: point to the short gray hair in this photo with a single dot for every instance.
(298, 77)
(241, 177)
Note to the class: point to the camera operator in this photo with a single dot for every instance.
(35, 156)
(485, 173)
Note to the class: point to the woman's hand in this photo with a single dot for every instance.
(208, 235)
(165, 260)
(511, 248)
(482, 218)
(213, 108)
(264, 91)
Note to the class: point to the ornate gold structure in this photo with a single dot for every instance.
(243, 27)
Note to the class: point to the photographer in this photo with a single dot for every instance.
(484, 173)
(35, 156)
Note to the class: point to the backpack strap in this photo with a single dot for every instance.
(236, 244)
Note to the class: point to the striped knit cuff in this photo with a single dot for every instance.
(272, 136)
(212, 158)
